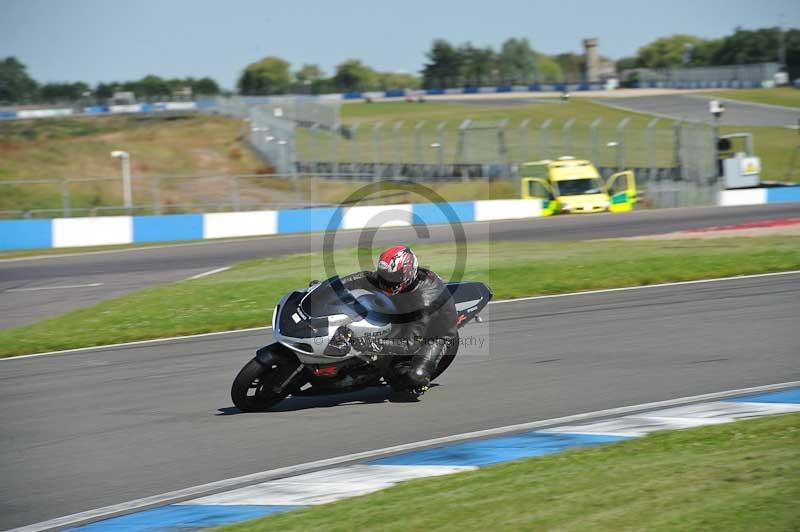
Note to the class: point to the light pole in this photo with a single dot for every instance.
(126, 176)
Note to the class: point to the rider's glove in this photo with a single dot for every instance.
(373, 345)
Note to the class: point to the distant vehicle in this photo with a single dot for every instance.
(569, 185)
(314, 328)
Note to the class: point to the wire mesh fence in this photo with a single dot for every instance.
(310, 158)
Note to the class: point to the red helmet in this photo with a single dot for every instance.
(397, 269)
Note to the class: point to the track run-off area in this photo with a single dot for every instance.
(93, 428)
(32, 289)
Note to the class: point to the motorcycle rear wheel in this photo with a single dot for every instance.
(252, 389)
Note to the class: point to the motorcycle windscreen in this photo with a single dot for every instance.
(329, 298)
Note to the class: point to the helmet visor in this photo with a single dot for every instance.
(390, 280)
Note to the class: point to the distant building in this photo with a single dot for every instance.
(595, 66)
(182, 93)
(591, 59)
(123, 98)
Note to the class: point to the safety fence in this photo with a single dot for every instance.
(103, 196)
(320, 163)
(660, 149)
(116, 230)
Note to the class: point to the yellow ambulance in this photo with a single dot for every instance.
(569, 185)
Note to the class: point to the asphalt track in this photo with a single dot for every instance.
(38, 285)
(695, 107)
(92, 428)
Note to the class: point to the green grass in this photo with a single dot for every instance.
(776, 147)
(244, 296)
(773, 144)
(742, 476)
(79, 147)
(483, 146)
(785, 96)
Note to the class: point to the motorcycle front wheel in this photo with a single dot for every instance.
(252, 389)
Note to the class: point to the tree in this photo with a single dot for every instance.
(667, 51)
(353, 75)
(154, 87)
(792, 43)
(397, 80)
(477, 64)
(572, 66)
(205, 87)
(443, 69)
(549, 71)
(517, 62)
(309, 73)
(267, 76)
(747, 46)
(104, 91)
(627, 63)
(62, 92)
(309, 79)
(16, 86)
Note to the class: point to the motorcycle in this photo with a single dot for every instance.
(314, 329)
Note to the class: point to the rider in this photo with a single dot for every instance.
(426, 315)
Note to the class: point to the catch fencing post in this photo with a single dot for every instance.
(234, 184)
(567, 145)
(677, 144)
(376, 141)
(65, 203)
(156, 193)
(397, 146)
(523, 137)
(314, 159)
(593, 133)
(621, 143)
(440, 147)
(651, 147)
(502, 149)
(418, 140)
(335, 132)
(545, 145)
(354, 148)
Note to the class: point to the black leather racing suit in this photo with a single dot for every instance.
(425, 324)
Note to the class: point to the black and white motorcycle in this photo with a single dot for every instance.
(312, 354)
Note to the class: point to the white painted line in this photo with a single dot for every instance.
(137, 342)
(209, 272)
(682, 417)
(642, 287)
(501, 301)
(231, 483)
(61, 287)
(326, 486)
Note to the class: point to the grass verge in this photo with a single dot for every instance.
(773, 144)
(244, 295)
(736, 476)
(785, 96)
(78, 147)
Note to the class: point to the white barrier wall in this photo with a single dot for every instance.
(751, 196)
(43, 113)
(507, 209)
(376, 216)
(97, 231)
(232, 224)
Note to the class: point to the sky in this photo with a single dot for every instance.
(106, 40)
